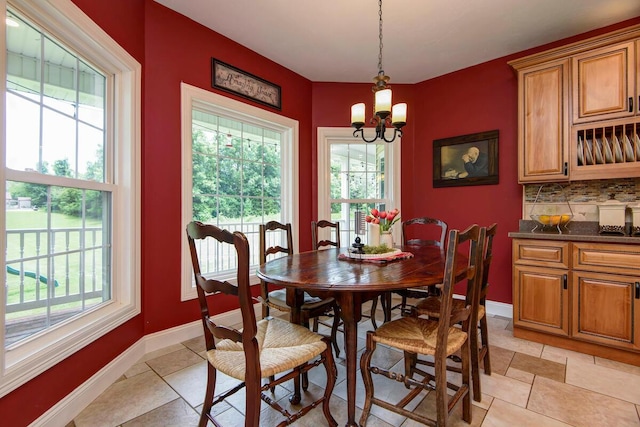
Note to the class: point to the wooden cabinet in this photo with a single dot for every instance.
(543, 122)
(579, 295)
(603, 83)
(605, 309)
(606, 294)
(577, 107)
(540, 280)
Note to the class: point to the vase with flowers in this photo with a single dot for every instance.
(380, 223)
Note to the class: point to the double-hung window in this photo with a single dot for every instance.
(70, 154)
(239, 171)
(353, 178)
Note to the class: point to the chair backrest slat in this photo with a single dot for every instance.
(410, 226)
(316, 225)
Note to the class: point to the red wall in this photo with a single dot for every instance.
(173, 49)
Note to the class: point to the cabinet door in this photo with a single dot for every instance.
(604, 83)
(543, 122)
(540, 299)
(605, 309)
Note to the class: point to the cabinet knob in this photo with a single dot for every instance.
(637, 290)
(564, 283)
(631, 104)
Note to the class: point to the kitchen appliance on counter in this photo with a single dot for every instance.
(612, 216)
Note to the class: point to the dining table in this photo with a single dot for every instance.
(351, 281)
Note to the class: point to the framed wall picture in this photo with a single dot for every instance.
(466, 160)
(231, 79)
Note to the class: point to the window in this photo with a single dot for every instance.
(239, 171)
(353, 178)
(70, 158)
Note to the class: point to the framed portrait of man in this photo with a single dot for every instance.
(466, 160)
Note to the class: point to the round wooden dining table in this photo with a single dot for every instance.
(351, 282)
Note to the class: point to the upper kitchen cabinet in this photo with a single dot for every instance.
(543, 127)
(604, 82)
(578, 110)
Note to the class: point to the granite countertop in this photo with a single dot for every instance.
(578, 231)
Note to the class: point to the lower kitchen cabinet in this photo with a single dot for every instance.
(582, 296)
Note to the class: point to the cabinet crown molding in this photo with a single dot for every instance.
(621, 35)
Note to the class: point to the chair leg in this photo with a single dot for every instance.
(466, 368)
(374, 307)
(475, 363)
(208, 396)
(365, 363)
(334, 329)
(410, 361)
(332, 372)
(442, 398)
(484, 334)
(386, 306)
(253, 401)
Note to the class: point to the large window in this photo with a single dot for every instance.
(239, 172)
(71, 205)
(353, 178)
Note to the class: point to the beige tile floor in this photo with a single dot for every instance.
(531, 385)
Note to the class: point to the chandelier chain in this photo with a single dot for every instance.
(380, 35)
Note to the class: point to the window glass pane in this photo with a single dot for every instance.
(91, 96)
(23, 58)
(23, 142)
(90, 153)
(357, 175)
(58, 256)
(58, 144)
(67, 103)
(236, 177)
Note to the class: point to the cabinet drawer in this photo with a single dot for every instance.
(544, 253)
(609, 258)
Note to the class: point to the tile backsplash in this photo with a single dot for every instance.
(583, 197)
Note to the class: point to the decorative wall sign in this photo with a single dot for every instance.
(234, 80)
(466, 160)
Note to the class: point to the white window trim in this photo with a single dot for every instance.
(326, 135)
(193, 96)
(28, 359)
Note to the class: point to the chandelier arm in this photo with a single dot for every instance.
(361, 133)
(396, 132)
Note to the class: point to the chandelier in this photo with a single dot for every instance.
(384, 114)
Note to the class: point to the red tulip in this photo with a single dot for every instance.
(368, 218)
(376, 221)
(374, 212)
(383, 214)
(395, 212)
(390, 216)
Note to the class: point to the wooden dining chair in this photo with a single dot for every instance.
(437, 338)
(430, 307)
(261, 349)
(422, 231)
(277, 238)
(319, 243)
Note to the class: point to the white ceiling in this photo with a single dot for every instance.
(337, 41)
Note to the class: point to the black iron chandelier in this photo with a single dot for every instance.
(384, 114)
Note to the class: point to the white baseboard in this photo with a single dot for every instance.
(71, 405)
(495, 308)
